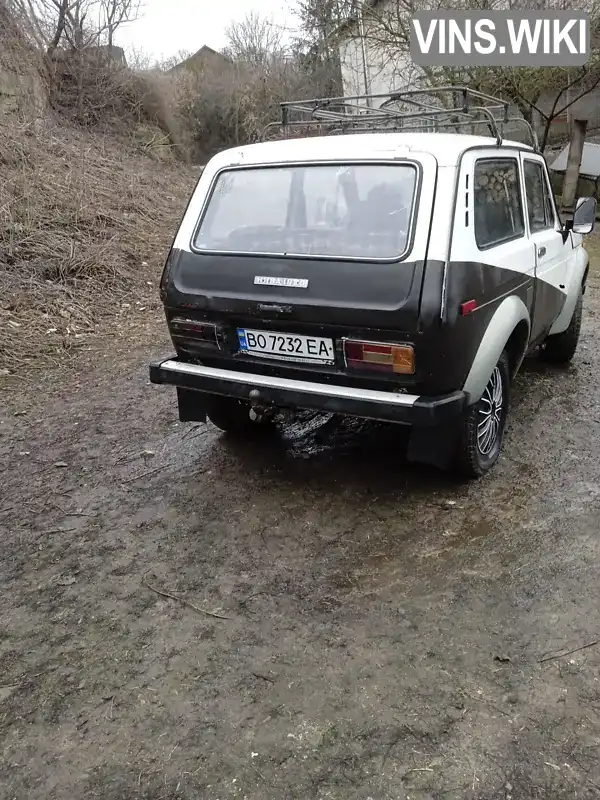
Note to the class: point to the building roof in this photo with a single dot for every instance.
(445, 147)
(204, 53)
(590, 161)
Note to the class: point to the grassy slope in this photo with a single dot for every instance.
(85, 223)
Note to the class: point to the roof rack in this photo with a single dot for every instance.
(432, 109)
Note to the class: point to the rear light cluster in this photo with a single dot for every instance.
(189, 330)
(398, 358)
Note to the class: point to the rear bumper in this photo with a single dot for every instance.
(408, 409)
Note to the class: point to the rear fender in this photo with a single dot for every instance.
(508, 315)
(577, 270)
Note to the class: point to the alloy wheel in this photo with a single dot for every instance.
(489, 423)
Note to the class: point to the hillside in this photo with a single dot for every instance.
(85, 223)
(86, 218)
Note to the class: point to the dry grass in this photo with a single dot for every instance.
(85, 224)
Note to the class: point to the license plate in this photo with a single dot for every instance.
(288, 346)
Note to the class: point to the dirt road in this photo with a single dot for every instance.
(386, 634)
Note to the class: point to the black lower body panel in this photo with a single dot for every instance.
(264, 390)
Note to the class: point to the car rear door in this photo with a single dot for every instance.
(550, 250)
(308, 291)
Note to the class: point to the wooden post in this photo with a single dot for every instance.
(569, 190)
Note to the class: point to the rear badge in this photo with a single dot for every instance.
(293, 283)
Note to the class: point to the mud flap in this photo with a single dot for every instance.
(192, 405)
(434, 445)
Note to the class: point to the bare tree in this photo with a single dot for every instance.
(44, 21)
(255, 40)
(139, 60)
(76, 24)
(115, 13)
(62, 7)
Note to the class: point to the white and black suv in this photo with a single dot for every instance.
(398, 275)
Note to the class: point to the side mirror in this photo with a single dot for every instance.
(584, 218)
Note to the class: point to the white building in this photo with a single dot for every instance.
(368, 68)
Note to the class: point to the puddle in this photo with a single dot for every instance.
(312, 435)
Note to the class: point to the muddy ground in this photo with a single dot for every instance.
(386, 633)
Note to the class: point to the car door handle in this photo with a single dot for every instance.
(541, 252)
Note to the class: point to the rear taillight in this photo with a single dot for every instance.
(193, 330)
(398, 358)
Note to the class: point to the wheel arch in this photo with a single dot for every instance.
(578, 276)
(508, 329)
(516, 346)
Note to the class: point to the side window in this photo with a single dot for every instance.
(498, 205)
(539, 202)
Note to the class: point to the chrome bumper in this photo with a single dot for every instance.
(285, 392)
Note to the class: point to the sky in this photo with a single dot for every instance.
(167, 27)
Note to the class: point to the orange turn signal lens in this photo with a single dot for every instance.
(404, 360)
(398, 358)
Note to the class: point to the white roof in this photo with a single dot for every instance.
(590, 161)
(446, 147)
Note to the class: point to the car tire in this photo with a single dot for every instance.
(560, 348)
(482, 429)
(233, 416)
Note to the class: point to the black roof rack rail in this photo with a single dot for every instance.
(432, 108)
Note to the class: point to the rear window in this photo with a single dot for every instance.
(358, 211)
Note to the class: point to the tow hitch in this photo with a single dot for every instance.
(260, 410)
